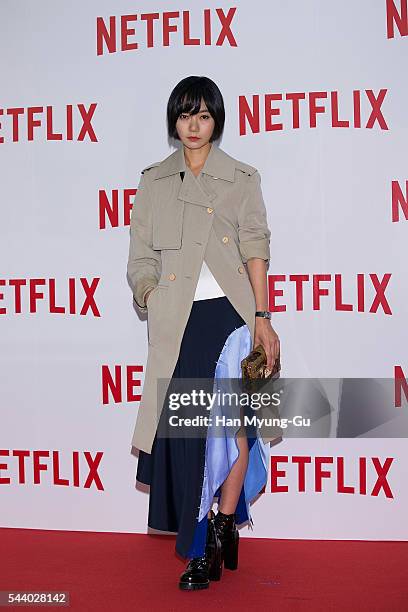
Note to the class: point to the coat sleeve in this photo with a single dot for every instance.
(144, 264)
(253, 231)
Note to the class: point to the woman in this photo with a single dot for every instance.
(198, 217)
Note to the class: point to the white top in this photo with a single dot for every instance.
(207, 286)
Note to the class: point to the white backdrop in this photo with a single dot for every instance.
(329, 194)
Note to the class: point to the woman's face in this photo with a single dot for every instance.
(199, 126)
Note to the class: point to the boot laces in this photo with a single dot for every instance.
(199, 563)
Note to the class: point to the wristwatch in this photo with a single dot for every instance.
(263, 313)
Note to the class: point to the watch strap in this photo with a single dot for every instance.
(263, 313)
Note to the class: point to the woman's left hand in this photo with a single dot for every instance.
(266, 335)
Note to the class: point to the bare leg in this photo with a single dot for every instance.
(232, 485)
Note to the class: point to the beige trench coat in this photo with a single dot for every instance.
(219, 217)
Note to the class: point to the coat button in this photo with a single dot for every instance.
(241, 270)
(225, 239)
(210, 210)
(172, 276)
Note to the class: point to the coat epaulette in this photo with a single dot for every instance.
(246, 168)
(150, 166)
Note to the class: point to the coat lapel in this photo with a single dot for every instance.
(192, 189)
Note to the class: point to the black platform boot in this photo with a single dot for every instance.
(228, 535)
(201, 570)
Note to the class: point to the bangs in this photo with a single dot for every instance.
(190, 102)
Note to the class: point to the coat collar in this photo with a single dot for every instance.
(218, 164)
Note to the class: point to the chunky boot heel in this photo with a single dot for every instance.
(228, 535)
(214, 551)
(215, 571)
(231, 551)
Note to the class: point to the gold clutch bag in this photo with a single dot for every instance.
(254, 366)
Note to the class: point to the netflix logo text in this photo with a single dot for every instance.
(39, 467)
(400, 386)
(367, 293)
(38, 123)
(111, 206)
(24, 296)
(369, 477)
(399, 200)
(396, 17)
(297, 104)
(146, 30)
(119, 384)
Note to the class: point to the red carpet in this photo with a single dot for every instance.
(140, 572)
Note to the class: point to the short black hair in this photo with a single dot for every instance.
(186, 98)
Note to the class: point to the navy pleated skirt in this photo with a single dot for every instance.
(175, 467)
